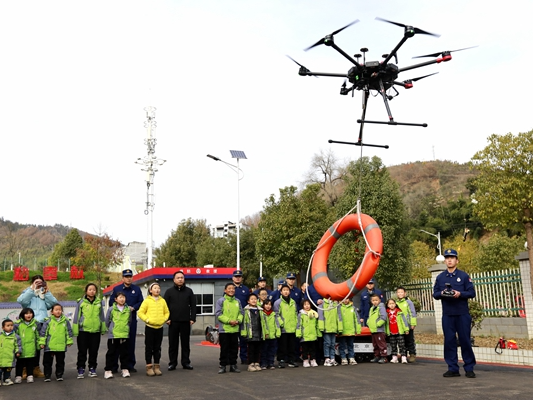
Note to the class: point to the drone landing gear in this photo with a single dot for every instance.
(391, 121)
(383, 146)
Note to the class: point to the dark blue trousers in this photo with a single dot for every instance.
(460, 325)
(268, 352)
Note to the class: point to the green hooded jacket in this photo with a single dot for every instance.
(273, 325)
(9, 346)
(227, 309)
(55, 335)
(330, 317)
(377, 317)
(288, 314)
(351, 325)
(307, 329)
(89, 316)
(408, 308)
(118, 322)
(29, 337)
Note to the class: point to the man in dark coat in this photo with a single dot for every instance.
(182, 305)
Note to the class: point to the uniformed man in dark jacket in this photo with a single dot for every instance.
(241, 293)
(182, 305)
(454, 287)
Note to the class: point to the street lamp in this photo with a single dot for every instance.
(238, 155)
(440, 257)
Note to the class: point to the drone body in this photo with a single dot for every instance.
(380, 76)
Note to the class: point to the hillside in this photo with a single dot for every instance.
(431, 183)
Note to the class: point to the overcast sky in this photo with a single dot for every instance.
(76, 76)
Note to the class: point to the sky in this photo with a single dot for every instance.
(76, 77)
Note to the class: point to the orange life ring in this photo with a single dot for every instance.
(319, 267)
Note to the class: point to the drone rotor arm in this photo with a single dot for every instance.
(328, 39)
(443, 53)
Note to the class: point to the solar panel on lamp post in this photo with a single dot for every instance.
(238, 155)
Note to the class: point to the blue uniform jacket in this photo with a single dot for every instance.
(297, 296)
(241, 293)
(460, 281)
(365, 302)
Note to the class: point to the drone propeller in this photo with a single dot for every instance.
(408, 27)
(329, 37)
(303, 71)
(444, 52)
(420, 77)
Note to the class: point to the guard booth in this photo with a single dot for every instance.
(207, 284)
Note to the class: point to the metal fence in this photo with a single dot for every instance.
(499, 292)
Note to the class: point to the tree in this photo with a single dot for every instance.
(504, 186)
(380, 197)
(326, 170)
(98, 254)
(422, 257)
(498, 253)
(290, 228)
(67, 249)
(180, 248)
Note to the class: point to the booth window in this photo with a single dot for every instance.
(205, 295)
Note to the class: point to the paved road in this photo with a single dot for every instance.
(422, 380)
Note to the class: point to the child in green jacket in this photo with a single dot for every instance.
(118, 322)
(330, 323)
(351, 326)
(308, 332)
(10, 349)
(286, 308)
(88, 326)
(272, 332)
(377, 317)
(26, 328)
(54, 337)
(253, 329)
(228, 311)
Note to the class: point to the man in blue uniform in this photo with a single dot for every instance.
(261, 284)
(364, 306)
(454, 287)
(296, 294)
(241, 293)
(276, 294)
(134, 299)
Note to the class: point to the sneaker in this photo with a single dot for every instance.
(81, 373)
(307, 364)
(47, 379)
(251, 367)
(292, 364)
(382, 360)
(59, 378)
(333, 362)
(327, 362)
(18, 379)
(263, 367)
(8, 382)
(29, 379)
(108, 374)
(394, 360)
(352, 361)
(344, 361)
(125, 373)
(412, 358)
(281, 364)
(92, 373)
(313, 363)
(451, 374)
(375, 360)
(271, 367)
(404, 360)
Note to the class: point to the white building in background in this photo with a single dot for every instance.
(135, 257)
(223, 231)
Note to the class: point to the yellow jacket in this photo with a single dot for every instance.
(154, 312)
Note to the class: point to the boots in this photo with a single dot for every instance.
(157, 370)
(150, 370)
(37, 373)
(233, 368)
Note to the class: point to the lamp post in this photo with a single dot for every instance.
(238, 155)
(440, 257)
(150, 163)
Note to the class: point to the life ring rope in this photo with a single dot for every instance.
(334, 234)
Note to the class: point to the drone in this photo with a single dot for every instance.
(380, 76)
